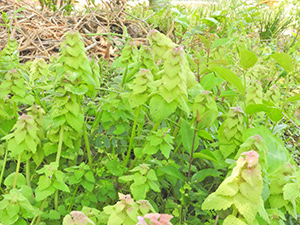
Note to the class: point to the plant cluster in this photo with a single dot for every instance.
(198, 134)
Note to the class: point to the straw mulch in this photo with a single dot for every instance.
(41, 32)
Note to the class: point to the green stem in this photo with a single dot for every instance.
(235, 211)
(73, 197)
(87, 145)
(191, 156)
(41, 209)
(56, 199)
(17, 171)
(28, 173)
(178, 146)
(16, 110)
(189, 171)
(135, 159)
(177, 128)
(286, 91)
(61, 135)
(3, 168)
(132, 135)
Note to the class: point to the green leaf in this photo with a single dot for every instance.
(115, 168)
(61, 186)
(87, 185)
(248, 59)
(206, 154)
(294, 98)
(277, 153)
(219, 42)
(172, 171)
(139, 191)
(273, 113)
(160, 109)
(246, 208)
(89, 176)
(228, 188)
(12, 210)
(277, 201)
(20, 136)
(41, 195)
(205, 41)
(44, 182)
(151, 175)
(9, 180)
(202, 174)
(153, 185)
(187, 134)
(217, 202)
(53, 215)
(284, 60)
(75, 122)
(126, 178)
(232, 220)
(291, 191)
(205, 135)
(229, 76)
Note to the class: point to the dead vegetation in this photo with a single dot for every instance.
(40, 32)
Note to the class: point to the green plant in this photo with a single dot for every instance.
(164, 122)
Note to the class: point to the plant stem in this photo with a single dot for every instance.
(191, 156)
(87, 145)
(132, 136)
(286, 90)
(16, 110)
(3, 168)
(61, 135)
(56, 199)
(189, 171)
(135, 159)
(17, 171)
(41, 209)
(72, 200)
(28, 173)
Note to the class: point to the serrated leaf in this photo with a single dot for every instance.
(153, 185)
(250, 192)
(87, 185)
(232, 220)
(44, 182)
(253, 176)
(12, 210)
(89, 176)
(160, 109)
(217, 202)
(41, 195)
(291, 191)
(277, 201)
(151, 175)
(75, 122)
(139, 191)
(9, 180)
(228, 188)
(246, 208)
(61, 186)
